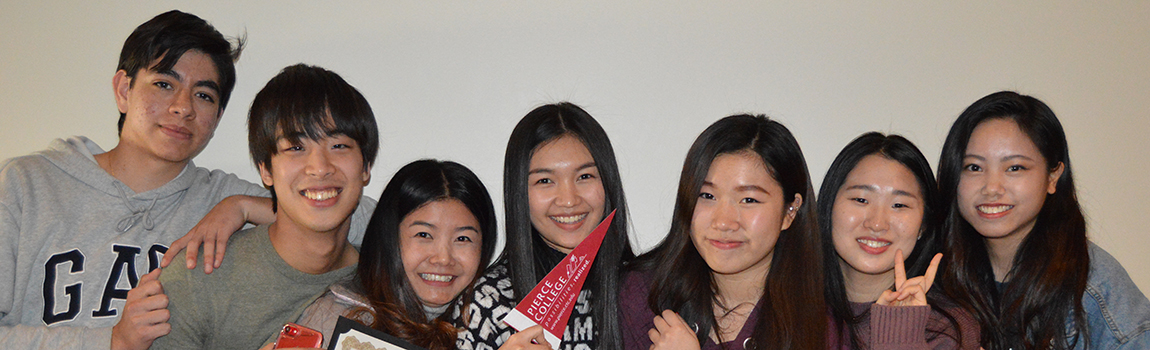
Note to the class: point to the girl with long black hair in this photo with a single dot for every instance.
(878, 204)
(1016, 237)
(560, 180)
(741, 266)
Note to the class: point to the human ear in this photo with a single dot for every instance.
(265, 176)
(1052, 181)
(792, 211)
(121, 83)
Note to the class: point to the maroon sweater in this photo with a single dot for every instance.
(906, 327)
(886, 328)
(636, 318)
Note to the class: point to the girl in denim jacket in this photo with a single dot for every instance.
(1018, 255)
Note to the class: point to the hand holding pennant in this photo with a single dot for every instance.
(549, 304)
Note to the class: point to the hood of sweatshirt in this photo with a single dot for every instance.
(75, 157)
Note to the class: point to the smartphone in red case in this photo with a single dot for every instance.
(297, 336)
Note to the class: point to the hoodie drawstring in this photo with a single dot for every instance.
(127, 221)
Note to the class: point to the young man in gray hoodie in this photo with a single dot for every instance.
(314, 138)
(80, 227)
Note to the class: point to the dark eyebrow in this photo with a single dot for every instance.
(873, 188)
(208, 84)
(590, 164)
(740, 188)
(1016, 156)
(202, 83)
(1006, 158)
(170, 73)
(751, 188)
(905, 193)
(421, 223)
(863, 187)
(552, 171)
(430, 225)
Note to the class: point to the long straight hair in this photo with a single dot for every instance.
(1052, 264)
(792, 310)
(525, 249)
(395, 307)
(929, 243)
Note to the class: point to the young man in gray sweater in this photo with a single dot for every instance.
(313, 138)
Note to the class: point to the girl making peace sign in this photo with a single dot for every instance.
(877, 202)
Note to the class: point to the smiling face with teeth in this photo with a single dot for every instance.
(317, 183)
(877, 211)
(440, 245)
(565, 192)
(1004, 182)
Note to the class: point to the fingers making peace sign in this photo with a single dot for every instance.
(909, 292)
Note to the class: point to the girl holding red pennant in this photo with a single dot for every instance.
(560, 180)
(1017, 246)
(433, 230)
(741, 267)
(877, 204)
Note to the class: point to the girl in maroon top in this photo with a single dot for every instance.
(741, 266)
(878, 203)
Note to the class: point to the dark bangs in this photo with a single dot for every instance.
(309, 102)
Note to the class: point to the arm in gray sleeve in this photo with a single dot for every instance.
(360, 219)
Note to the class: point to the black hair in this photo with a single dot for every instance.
(525, 251)
(309, 102)
(791, 310)
(396, 308)
(929, 243)
(167, 37)
(1052, 264)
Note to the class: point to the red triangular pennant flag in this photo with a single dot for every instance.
(550, 303)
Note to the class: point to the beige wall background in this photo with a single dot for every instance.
(449, 79)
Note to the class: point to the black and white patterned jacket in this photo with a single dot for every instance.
(494, 298)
